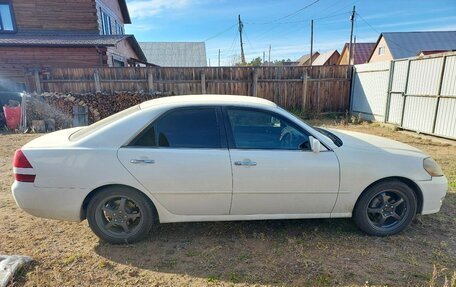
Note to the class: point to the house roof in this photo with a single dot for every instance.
(69, 40)
(305, 58)
(361, 52)
(323, 58)
(175, 54)
(409, 44)
(124, 10)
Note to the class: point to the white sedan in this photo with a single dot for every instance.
(213, 157)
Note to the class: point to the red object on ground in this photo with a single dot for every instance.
(12, 116)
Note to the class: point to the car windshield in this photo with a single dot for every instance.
(335, 139)
(102, 123)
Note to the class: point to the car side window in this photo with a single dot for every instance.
(183, 128)
(253, 129)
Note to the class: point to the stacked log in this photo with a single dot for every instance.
(59, 107)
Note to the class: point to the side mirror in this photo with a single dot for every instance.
(315, 144)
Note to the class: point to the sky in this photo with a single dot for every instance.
(285, 25)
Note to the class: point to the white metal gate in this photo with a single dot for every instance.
(417, 94)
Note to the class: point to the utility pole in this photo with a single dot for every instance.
(219, 58)
(350, 47)
(264, 56)
(269, 57)
(241, 27)
(311, 40)
(209, 62)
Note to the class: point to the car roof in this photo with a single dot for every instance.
(210, 99)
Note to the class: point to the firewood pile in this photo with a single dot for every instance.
(59, 107)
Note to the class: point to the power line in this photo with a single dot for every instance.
(287, 16)
(364, 20)
(221, 32)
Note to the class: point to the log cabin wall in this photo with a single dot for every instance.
(121, 53)
(15, 61)
(55, 15)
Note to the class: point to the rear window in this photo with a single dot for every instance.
(102, 123)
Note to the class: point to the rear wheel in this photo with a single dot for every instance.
(385, 209)
(120, 215)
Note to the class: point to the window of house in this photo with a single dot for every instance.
(381, 50)
(254, 129)
(105, 23)
(183, 128)
(6, 17)
(119, 29)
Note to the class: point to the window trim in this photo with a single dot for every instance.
(13, 18)
(220, 124)
(230, 136)
(381, 50)
(105, 24)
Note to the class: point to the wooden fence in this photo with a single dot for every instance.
(313, 89)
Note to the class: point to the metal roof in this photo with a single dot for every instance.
(59, 39)
(323, 58)
(305, 58)
(175, 54)
(361, 52)
(410, 44)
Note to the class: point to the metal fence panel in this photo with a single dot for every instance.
(395, 109)
(445, 124)
(449, 78)
(424, 76)
(419, 114)
(370, 87)
(399, 76)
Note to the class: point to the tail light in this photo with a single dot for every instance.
(21, 166)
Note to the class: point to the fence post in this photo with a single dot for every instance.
(96, 77)
(203, 83)
(442, 72)
(304, 91)
(254, 82)
(388, 92)
(404, 94)
(150, 81)
(36, 75)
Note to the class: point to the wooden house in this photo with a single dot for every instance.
(53, 33)
(361, 53)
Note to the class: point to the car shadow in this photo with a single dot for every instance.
(313, 252)
(273, 252)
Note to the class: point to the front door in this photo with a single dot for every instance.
(274, 170)
(182, 159)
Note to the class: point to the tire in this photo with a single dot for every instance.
(120, 215)
(385, 208)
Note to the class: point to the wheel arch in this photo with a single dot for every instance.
(85, 203)
(410, 183)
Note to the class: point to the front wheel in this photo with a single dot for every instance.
(385, 208)
(120, 215)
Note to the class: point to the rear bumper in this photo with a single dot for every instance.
(53, 203)
(434, 192)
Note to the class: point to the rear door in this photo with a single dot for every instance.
(183, 160)
(274, 170)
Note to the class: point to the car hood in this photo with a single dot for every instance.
(363, 141)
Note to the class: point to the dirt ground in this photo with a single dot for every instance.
(255, 253)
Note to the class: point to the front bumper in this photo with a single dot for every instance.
(434, 192)
(53, 203)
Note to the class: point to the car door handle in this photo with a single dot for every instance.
(245, 163)
(146, 161)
